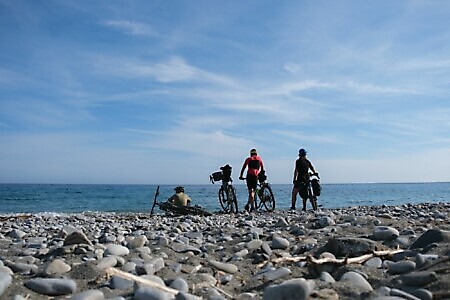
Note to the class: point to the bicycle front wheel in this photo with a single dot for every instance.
(232, 200)
(267, 198)
(223, 200)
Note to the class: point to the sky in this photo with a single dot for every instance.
(166, 92)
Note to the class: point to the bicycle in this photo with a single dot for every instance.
(264, 193)
(227, 192)
(313, 187)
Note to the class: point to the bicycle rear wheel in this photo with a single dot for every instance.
(267, 198)
(223, 200)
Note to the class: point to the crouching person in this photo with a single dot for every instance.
(180, 198)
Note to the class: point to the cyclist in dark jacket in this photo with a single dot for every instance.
(301, 176)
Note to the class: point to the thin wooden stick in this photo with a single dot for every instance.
(125, 275)
(222, 291)
(353, 260)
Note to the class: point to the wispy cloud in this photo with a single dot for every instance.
(132, 28)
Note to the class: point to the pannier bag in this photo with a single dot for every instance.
(316, 187)
(217, 176)
(303, 190)
(262, 176)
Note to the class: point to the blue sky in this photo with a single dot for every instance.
(168, 91)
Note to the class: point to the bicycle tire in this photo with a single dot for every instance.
(267, 198)
(314, 202)
(232, 200)
(223, 200)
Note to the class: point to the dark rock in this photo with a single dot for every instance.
(431, 236)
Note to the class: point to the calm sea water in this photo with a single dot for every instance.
(32, 198)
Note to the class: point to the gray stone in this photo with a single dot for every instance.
(385, 233)
(179, 284)
(276, 274)
(351, 247)
(401, 267)
(326, 277)
(137, 242)
(281, 223)
(148, 293)
(375, 262)
(226, 267)
(186, 296)
(16, 234)
(254, 244)
(431, 236)
(57, 267)
(23, 268)
(76, 237)
(293, 289)
(120, 283)
(107, 262)
(422, 294)
(357, 280)
(89, 295)
(117, 250)
(418, 278)
(183, 248)
(52, 286)
(266, 248)
(5, 281)
(403, 294)
(279, 243)
(324, 222)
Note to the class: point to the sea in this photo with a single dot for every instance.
(75, 198)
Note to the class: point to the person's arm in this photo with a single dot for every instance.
(243, 168)
(295, 174)
(312, 167)
(262, 165)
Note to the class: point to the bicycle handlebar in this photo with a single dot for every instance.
(314, 174)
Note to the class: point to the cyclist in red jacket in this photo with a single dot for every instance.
(254, 165)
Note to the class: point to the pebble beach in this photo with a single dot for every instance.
(379, 252)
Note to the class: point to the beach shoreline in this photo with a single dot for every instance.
(400, 250)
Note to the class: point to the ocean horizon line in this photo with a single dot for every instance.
(218, 183)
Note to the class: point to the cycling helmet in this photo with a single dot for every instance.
(302, 152)
(253, 152)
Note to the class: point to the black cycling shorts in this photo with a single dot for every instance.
(252, 182)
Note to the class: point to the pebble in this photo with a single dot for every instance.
(226, 267)
(116, 250)
(57, 267)
(210, 257)
(52, 286)
(375, 262)
(279, 243)
(298, 289)
(431, 236)
(385, 233)
(148, 293)
(401, 267)
(76, 237)
(5, 281)
(418, 278)
(358, 281)
(88, 295)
